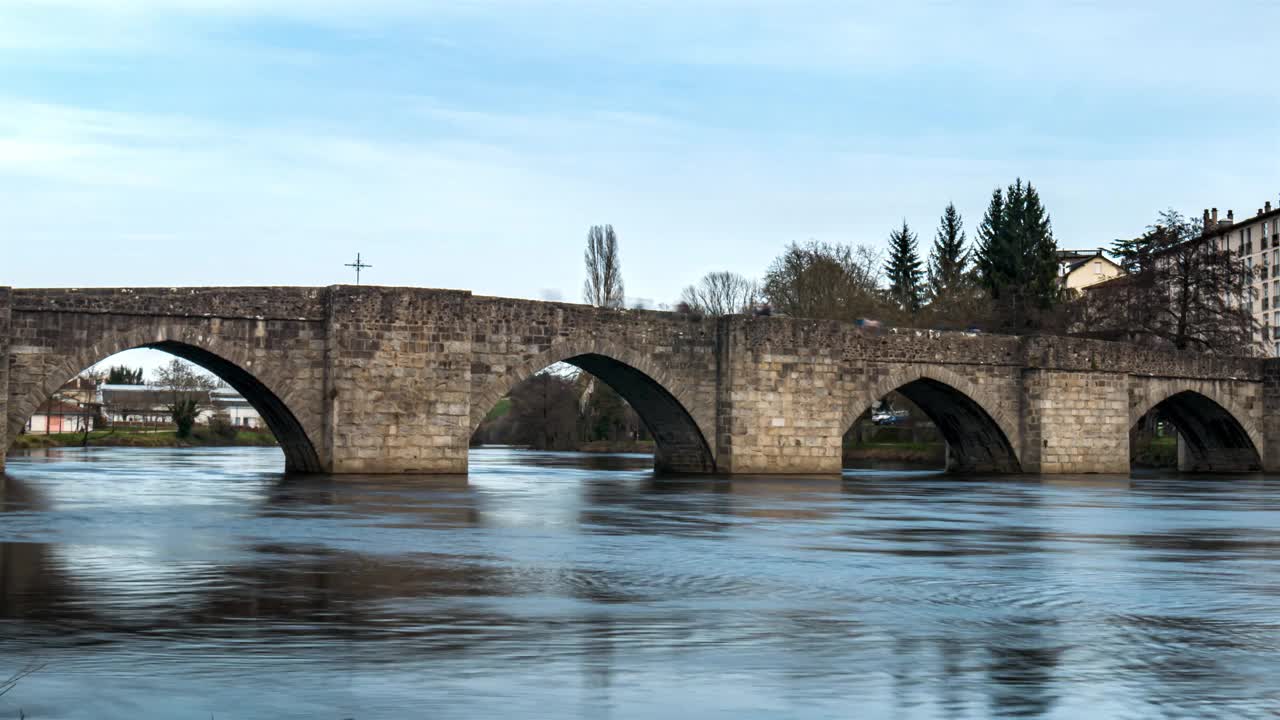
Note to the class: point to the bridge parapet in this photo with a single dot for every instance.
(253, 303)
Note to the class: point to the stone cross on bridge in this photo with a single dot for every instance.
(395, 380)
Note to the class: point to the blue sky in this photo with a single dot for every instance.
(470, 144)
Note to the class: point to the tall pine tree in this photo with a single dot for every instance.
(948, 260)
(903, 270)
(1017, 256)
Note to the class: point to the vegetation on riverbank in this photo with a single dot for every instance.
(1155, 452)
(924, 453)
(200, 437)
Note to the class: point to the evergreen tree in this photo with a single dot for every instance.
(903, 269)
(1016, 258)
(948, 260)
(990, 252)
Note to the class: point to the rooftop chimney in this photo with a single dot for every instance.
(1207, 226)
(1231, 216)
(1215, 217)
(1267, 206)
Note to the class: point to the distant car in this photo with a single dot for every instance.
(888, 417)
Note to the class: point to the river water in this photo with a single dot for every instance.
(197, 583)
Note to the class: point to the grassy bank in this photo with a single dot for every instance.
(200, 437)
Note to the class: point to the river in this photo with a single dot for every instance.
(174, 583)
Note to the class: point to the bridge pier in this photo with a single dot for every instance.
(1074, 421)
(1271, 414)
(5, 321)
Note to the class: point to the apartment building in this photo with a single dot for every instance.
(1257, 240)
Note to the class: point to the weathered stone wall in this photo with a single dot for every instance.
(5, 311)
(663, 364)
(278, 364)
(1075, 422)
(376, 379)
(267, 303)
(790, 389)
(399, 380)
(1271, 415)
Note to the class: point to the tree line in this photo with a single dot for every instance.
(1178, 291)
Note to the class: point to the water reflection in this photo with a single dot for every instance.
(163, 584)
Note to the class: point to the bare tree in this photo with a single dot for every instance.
(827, 281)
(721, 293)
(1182, 290)
(603, 286)
(188, 392)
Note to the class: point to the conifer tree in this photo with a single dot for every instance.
(948, 260)
(1016, 258)
(903, 269)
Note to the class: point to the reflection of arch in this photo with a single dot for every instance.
(1214, 436)
(231, 361)
(969, 417)
(659, 399)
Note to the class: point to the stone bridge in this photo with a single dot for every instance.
(396, 380)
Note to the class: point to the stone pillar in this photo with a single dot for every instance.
(1271, 415)
(1075, 422)
(398, 380)
(775, 410)
(5, 312)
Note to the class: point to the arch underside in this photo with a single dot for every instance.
(679, 444)
(299, 454)
(975, 442)
(1212, 439)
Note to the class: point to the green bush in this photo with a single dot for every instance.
(220, 426)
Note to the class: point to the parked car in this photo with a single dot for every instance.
(888, 417)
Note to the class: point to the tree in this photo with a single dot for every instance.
(1181, 290)
(825, 281)
(721, 293)
(948, 259)
(1017, 257)
(544, 412)
(124, 375)
(903, 270)
(188, 392)
(603, 286)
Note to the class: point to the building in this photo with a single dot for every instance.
(73, 408)
(241, 414)
(1257, 240)
(149, 406)
(1078, 269)
(61, 416)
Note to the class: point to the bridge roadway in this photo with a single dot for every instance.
(395, 380)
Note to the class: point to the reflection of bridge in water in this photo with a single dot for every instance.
(391, 380)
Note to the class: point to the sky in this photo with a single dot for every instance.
(470, 144)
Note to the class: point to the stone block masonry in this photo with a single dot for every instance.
(394, 380)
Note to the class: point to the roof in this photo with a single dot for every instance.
(1097, 255)
(62, 408)
(1225, 227)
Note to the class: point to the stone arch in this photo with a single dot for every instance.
(271, 396)
(1217, 432)
(664, 404)
(979, 432)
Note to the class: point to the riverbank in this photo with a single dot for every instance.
(897, 452)
(200, 437)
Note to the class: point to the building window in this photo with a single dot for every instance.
(1097, 267)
